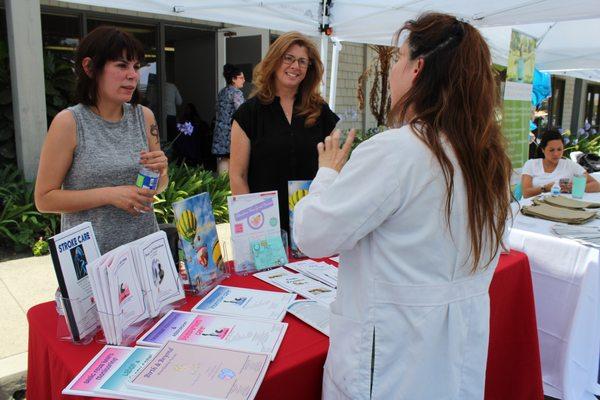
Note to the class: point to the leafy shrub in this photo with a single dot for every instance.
(187, 181)
(21, 224)
(586, 140)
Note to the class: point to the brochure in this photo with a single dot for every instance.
(268, 252)
(270, 275)
(252, 217)
(308, 287)
(158, 271)
(216, 330)
(313, 313)
(195, 224)
(133, 283)
(115, 384)
(126, 295)
(184, 370)
(103, 364)
(296, 190)
(71, 252)
(245, 303)
(318, 270)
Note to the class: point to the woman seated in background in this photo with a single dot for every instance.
(540, 174)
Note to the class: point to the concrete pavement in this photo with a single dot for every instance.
(24, 283)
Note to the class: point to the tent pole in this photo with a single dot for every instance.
(324, 51)
(337, 47)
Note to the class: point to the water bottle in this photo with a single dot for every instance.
(147, 179)
(555, 191)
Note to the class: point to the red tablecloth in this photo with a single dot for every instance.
(513, 370)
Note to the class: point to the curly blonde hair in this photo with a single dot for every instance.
(263, 77)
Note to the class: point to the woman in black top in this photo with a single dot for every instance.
(275, 133)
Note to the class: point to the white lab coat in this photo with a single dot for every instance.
(407, 306)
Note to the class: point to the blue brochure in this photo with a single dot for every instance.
(195, 224)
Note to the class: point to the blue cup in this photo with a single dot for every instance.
(517, 191)
(578, 190)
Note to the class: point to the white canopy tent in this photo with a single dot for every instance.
(567, 32)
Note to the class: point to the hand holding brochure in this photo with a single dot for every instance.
(71, 252)
(133, 283)
(183, 370)
(216, 330)
(245, 303)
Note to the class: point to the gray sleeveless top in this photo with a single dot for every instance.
(107, 154)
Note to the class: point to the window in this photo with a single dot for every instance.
(60, 37)
(592, 105)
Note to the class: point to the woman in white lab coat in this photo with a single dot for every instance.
(417, 215)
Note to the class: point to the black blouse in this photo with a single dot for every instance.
(280, 151)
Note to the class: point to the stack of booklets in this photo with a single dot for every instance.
(218, 331)
(262, 305)
(301, 284)
(558, 214)
(133, 283)
(586, 235)
(71, 252)
(566, 202)
(319, 270)
(177, 370)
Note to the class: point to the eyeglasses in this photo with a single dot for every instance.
(290, 59)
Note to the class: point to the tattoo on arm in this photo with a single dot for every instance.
(154, 132)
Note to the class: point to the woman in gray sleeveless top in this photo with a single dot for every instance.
(94, 150)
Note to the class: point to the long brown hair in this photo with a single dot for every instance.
(454, 98)
(263, 77)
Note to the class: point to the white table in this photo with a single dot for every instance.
(566, 285)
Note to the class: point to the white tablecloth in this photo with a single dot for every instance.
(566, 285)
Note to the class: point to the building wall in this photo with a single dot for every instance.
(568, 101)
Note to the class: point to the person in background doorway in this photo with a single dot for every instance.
(93, 151)
(275, 133)
(172, 101)
(228, 100)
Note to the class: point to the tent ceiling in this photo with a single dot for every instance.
(571, 28)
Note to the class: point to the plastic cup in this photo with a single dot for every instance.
(517, 191)
(578, 190)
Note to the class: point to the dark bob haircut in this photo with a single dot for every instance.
(103, 44)
(230, 72)
(546, 136)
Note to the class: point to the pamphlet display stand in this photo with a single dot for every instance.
(129, 333)
(63, 331)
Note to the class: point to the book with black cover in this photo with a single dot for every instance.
(71, 251)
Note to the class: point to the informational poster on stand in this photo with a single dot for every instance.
(517, 96)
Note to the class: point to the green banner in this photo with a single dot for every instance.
(517, 96)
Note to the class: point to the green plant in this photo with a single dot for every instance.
(40, 248)
(59, 81)
(7, 135)
(187, 181)
(20, 222)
